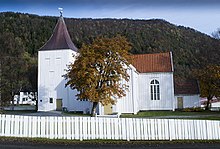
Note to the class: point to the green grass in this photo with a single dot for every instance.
(18, 112)
(202, 115)
(101, 142)
(74, 114)
(206, 115)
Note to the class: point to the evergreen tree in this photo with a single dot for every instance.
(14, 67)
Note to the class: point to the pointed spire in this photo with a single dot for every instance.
(61, 11)
(60, 38)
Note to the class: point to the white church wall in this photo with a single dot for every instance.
(71, 103)
(138, 96)
(128, 103)
(135, 91)
(52, 66)
(74, 105)
(166, 101)
(125, 104)
(51, 84)
(189, 101)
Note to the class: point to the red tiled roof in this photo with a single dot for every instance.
(159, 62)
(186, 86)
(60, 38)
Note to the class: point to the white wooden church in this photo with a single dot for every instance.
(151, 84)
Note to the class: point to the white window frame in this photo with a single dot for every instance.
(154, 90)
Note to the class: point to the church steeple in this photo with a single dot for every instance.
(61, 11)
(60, 38)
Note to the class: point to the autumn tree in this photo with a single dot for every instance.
(209, 80)
(98, 70)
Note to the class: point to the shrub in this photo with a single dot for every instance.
(193, 109)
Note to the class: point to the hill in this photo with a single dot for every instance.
(191, 49)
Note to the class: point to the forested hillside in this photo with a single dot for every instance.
(26, 33)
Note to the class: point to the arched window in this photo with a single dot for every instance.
(155, 90)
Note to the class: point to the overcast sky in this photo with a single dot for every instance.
(202, 15)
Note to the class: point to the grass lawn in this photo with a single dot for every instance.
(74, 114)
(35, 141)
(18, 112)
(207, 115)
(201, 115)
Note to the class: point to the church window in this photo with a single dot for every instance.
(51, 100)
(155, 90)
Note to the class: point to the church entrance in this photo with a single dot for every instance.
(59, 105)
(108, 109)
(180, 102)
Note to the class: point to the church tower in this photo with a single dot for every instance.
(53, 58)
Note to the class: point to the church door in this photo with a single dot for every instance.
(180, 102)
(108, 109)
(59, 104)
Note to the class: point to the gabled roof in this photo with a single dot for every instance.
(186, 86)
(60, 38)
(159, 62)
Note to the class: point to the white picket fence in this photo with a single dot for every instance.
(87, 128)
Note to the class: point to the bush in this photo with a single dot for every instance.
(193, 109)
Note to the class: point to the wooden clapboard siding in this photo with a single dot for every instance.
(129, 103)
(51, 83)
(188, 100)
(166, 101)
(138, 96)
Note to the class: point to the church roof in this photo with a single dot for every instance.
(186, 86)
(159, 62)
(60, 38)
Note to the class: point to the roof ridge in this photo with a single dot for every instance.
(151, 53)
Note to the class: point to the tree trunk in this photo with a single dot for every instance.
(1, 103)
(93, 112)
(36, 100)
(208, 103)
(13, 104)
(0, 85)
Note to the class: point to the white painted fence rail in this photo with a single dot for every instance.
(86, 128)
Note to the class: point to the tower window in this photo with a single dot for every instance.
(51, 100)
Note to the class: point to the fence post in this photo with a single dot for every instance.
(80, 129)
(170, 128)
(128, 125)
